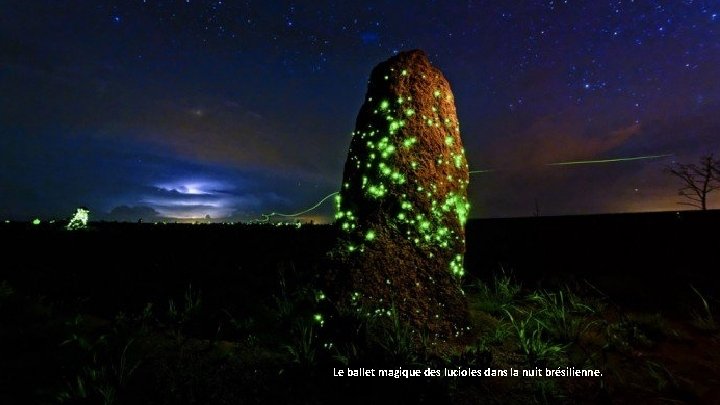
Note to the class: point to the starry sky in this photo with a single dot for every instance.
(230, 109)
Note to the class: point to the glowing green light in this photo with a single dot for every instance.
(398, 178)
(370, 235)
(408, 142)
(377, 191)
(266, 217)
(79, 220)
(456, 265)
(394, 126)
(462, 211)
(449, 140)
(319, 319)
(436, 93)
(409, 112)
(404, 72)
(588, 162)
(384, 105)
(36, 221)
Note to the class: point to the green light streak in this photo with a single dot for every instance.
(616, 160)
(266, 217)
(481, 171)
(587, 162)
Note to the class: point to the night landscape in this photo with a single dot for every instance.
(221, 202)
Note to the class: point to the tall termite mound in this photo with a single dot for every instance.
(403, 201)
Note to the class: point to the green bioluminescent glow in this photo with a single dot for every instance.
(266, 217)
(588, 162)
(615, 160)
(36, 221)
(79, 220)
(387, 179)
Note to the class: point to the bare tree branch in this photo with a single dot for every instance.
(699, 180)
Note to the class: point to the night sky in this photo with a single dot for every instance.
(188, 108)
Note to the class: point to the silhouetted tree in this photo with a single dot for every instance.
(699, 180)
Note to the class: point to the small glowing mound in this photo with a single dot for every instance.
(79, 220)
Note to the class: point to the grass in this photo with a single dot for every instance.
(500, 295)
(703, 319)
(303, 349)
(396, 340)
(180, 316)
(6, 291)
(544, 328)
(529, 333)
(106, 367)
(563, 314)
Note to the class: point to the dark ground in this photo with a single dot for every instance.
(66, 316)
